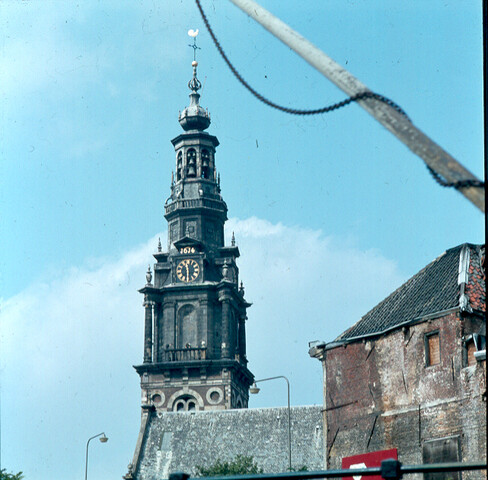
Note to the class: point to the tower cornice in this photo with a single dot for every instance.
(221, 363)
(195, 135)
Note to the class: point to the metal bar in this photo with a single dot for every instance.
(443, 467)
(419, 143)
(404, 469)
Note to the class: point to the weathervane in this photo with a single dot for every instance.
(194, 84)
(194, 33)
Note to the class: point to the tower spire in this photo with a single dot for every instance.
(196, 279)
(194, 117)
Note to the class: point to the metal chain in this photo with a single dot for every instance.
(330, 108)
(456, 185)
(293, 111)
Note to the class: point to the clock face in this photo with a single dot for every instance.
(187, 270)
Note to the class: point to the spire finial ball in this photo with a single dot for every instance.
(194, 63)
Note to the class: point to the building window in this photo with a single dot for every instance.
(185, 403)
(179, 166)
(443, 450)
(432, 349)
(205, 164)
(191, 161)
(473, 343)
(187, 329)
(191, 228)
(470, 349)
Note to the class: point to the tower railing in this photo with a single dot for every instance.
(195, 203)
(184, 354)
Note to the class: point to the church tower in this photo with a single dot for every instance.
(195, 311)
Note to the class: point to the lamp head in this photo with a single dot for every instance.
(103, 438)
(254, 388)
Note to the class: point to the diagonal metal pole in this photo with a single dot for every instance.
(419, 143)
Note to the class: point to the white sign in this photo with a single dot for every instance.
(357, 465)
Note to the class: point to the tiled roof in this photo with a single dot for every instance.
(434, 289)
(476, 289)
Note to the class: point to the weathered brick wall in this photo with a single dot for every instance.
(380, 394)
(180, 441)
(473, 413)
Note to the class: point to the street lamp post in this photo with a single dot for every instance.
(254, 389)
(103, 439)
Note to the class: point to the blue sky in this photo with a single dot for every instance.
(331, 213)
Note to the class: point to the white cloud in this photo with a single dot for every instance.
(304, 287)
(68, 342)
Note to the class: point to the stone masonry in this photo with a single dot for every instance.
(180, 441)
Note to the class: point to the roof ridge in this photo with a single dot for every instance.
(403, 285)
(434, 288)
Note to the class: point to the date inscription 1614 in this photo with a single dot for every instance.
(187, 250)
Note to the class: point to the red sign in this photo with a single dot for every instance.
(368, 460)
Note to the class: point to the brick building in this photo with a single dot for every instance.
(410, 374)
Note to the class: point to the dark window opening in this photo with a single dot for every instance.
(441, 451)
(186, 403)
(205, 164)
(179, 166)
(191, 161)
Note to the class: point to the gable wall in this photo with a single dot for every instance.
(380, 394)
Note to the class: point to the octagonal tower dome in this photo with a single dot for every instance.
(194, 117)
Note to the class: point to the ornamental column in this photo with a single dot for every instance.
(156, 346)
(168, 330)
(225, 328)
(148, 331)
(242, 338)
